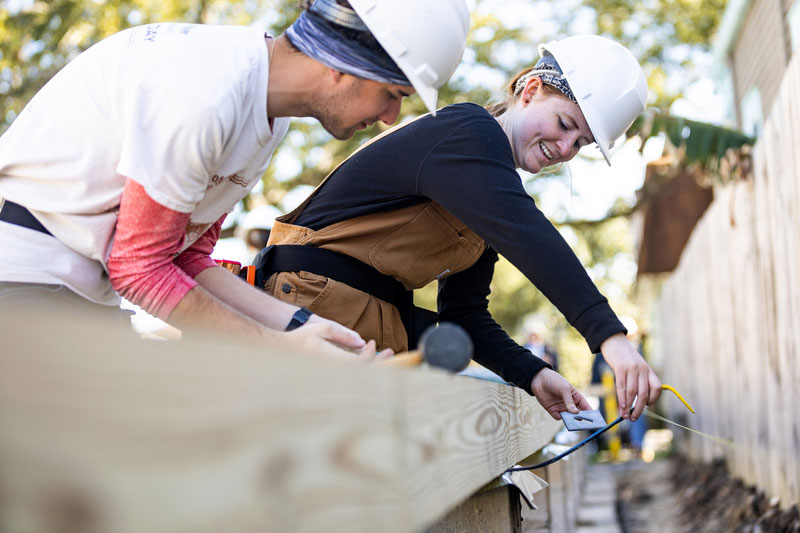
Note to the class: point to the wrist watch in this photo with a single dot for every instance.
(299, 318)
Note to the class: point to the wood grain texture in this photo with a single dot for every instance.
(103, 432)
(730, 313)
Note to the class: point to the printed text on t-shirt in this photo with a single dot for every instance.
(233, 178)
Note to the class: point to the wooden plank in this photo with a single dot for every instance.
(746, 326)
(117, 434)
(786, 220)
(777, 262)
(755, 364)
(496, 510)
(718, 294)
(720, 257)
(793, 172)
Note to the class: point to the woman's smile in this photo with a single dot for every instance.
(547, 153)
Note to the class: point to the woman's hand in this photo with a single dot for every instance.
(634, 377)
(555, 394)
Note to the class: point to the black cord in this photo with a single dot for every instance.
(566, 453)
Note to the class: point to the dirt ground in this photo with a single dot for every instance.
(676, 494)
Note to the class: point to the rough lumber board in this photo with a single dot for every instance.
(497, 510)
(784, 226)
(745, 330)
(103, 432)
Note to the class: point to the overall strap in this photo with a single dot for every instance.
(343, 268)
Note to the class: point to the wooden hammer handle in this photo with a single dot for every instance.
(412, 358)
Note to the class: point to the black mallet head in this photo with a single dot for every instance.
(446, 346)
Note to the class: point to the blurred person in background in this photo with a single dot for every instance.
(537, 346)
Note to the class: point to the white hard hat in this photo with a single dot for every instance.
(261, 217)
(426, 38)
(607, 81)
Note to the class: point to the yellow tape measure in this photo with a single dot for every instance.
(678, 394)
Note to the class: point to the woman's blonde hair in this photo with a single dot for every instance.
(498, 108)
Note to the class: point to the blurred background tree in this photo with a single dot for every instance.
(670, 38)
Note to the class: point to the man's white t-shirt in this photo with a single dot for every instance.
(179, 108)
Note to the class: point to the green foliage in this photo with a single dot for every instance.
(662, 34)
(701, 143)
(39, 37)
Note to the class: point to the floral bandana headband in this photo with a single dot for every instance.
(547, 68)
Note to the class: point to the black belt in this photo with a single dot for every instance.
(20, 216)
(347, 270)
(340, 267)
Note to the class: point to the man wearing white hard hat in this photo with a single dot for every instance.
(439, 200)
(116, 177)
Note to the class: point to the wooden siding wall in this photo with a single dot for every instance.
(759, 57)
(729, 316)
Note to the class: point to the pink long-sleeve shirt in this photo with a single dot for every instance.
(146, 265)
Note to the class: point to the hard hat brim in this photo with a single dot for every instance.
(428, 94)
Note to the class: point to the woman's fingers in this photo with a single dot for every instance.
(569, 401)
(655, 387)
(643, 395)
(622, 393)
(581, 402)
(643, 386)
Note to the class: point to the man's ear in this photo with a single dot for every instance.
(335, 75)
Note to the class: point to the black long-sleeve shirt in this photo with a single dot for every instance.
(463, 161)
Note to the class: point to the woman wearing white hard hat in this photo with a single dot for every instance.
(438, 199)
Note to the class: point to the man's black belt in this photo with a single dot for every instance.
(20, 216)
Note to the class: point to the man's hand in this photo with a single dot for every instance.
(336, 333)
(201, 309)
(555, 394)
(233, 306)
(326, 336)
(634, 377)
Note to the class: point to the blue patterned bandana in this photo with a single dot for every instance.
(314, 37)
(547, 69)
(333, 12)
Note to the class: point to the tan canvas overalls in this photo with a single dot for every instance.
(415, 245)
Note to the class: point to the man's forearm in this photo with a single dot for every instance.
(201, 309)
(245, 299)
